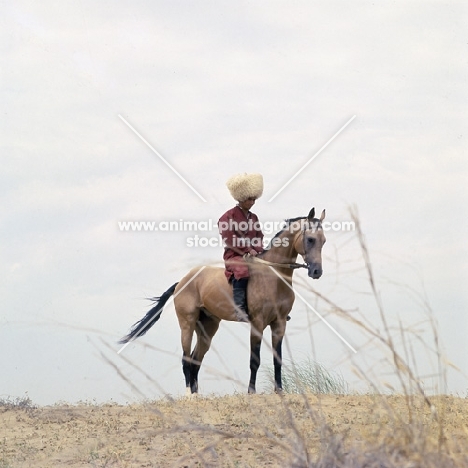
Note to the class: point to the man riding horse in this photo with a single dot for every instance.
(203, 297)
(242, 234)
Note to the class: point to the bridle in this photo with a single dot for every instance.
(293, 266)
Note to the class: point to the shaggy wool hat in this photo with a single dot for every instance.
(243, 186)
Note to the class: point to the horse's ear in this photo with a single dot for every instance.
(311, 214)
(322, 216)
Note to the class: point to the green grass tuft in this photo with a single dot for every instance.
(309, 377)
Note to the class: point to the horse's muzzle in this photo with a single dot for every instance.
(314, 270)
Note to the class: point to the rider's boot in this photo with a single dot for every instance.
(239, 288)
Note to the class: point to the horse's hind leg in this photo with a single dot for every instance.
(187, 327)
(206, 328)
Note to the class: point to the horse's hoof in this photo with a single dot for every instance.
(251, 391)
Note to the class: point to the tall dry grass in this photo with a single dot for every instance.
(317, 422)
(422, 434)
(409, 428)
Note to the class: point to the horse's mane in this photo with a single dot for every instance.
(288, 223)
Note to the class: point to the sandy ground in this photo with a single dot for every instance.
(235, 431)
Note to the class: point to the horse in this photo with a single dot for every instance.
(204, 297)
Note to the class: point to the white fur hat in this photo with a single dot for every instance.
(243, 186)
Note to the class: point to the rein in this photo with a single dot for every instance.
(293, 266)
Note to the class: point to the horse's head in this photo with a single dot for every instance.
(309, 242)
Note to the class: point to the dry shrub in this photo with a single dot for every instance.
(21, 403)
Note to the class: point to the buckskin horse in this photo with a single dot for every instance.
(204, 297)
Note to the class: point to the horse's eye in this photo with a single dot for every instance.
(310, 240)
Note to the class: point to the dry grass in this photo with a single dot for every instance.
(259, 430)
(409, 429)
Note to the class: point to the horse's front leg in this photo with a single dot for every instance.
(278, 329)
(255, 344)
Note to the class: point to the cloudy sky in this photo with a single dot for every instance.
(219, 88)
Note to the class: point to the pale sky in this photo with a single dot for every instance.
(220, 88)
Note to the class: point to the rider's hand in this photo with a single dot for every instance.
(253, 252)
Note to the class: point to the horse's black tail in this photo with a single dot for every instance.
(141, 327)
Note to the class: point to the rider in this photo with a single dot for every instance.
(242, 234)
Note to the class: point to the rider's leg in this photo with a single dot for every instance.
(239, 288)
